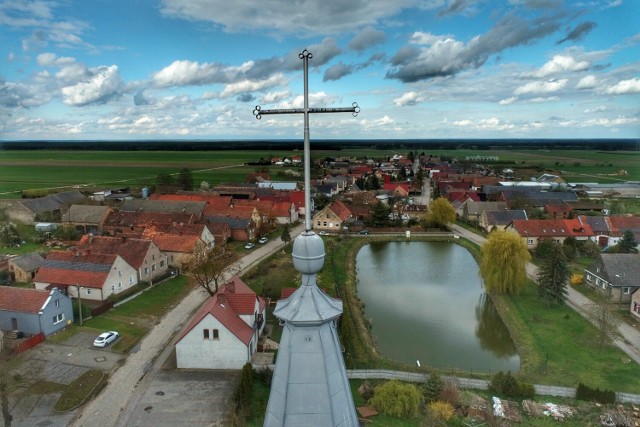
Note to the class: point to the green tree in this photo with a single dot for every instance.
(441, 212)
(321, 200)
(553, 276)
(185, 179)
(628, 243)
(285, 236)
(379, 215)
(504, 258)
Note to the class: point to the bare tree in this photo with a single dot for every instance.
(208, 265)
(605, 321)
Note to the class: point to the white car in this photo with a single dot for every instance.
(263, 240)
(105, 339)
(249, 245)
(323, 233)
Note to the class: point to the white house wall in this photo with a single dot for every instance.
(227, 352)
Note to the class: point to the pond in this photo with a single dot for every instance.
(426, 303)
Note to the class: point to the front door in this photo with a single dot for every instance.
(14, 324)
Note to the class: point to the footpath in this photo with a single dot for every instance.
(630, 342)
(111, 406)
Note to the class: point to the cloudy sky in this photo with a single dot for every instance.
(196, 69)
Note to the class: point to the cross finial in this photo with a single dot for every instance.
(258, 112)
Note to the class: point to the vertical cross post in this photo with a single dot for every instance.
(305, 55)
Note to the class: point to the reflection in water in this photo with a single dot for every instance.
(490, 330)
(423, 301)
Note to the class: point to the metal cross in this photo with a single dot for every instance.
(305, 55)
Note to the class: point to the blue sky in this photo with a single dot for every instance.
(195, 69)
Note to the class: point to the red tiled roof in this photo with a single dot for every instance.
(74, 268)
(232, 300)
(340, 209)
(561, 208)
(133, 251)
(297, 197)
(22, 299)
(142, 219)
(552, 228)
(282, 209)
(621, 223)
(243, 212)
(172, 242)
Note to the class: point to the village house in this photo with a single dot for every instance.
(617, 276)
(32, 311)
(85, 218)
(23, 268)
(133, 224)
(471, 210)
(195, 208)
(490, 219)
(332, 217)
(533, 231)
(142, 254)
(48, 209)
(224, 332)
(93, 277)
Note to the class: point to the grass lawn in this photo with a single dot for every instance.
(81, 389)
(564, 348)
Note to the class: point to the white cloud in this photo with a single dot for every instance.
(598, 109)
(587, 82)
(559, 64)
(624, 87)
(408, 98)
(542, 86)
(104, 84)
(183, 72)
(423, 38)
(508, 100)
(541, 99)
(490, 124)
(250, 86)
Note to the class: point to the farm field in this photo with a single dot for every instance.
(66, 169)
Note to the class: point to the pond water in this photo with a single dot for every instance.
(426, 303)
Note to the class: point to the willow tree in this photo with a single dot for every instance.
(441, 212)
(504, 261)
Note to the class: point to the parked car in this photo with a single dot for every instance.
(249, 245)
(323, 233)
(105, 339)
(363, 232)
(263, 240)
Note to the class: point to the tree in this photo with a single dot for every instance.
(285, 236)
(207, 265)
(606, 323)
(185, 179)
(9, 235)
(379, 215)
(553, 276)
(628, 243)
(503, 264)
(398, 399)
(441, 212)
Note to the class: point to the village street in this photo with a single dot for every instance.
(119, 400)
(631, 341)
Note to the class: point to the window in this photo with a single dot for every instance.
(318, 223)
(120, 285)
(153, 267)
(58, 318)
(57, 303)
(205, 334)
(146, 271)
(113, 287)
(216, 334)
(130, 279)
(588, 277)
(88, 291)
(120, 273)
(626, 290)
(162, 263)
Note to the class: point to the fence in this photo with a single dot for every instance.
(29, 343)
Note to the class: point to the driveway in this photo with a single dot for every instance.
(58, 363)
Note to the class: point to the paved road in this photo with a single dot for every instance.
(630, 343)
(118, 401)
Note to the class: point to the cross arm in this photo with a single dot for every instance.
(259, 112)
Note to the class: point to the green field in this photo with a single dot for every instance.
(64, 169)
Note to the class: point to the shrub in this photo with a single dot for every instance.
(397, 399)
(449, 393)
(507, 385)
(584, 392)
(366, 391)
(577, 279)
(441, 410)
(433, 387)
